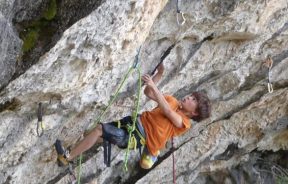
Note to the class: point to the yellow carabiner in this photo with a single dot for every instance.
(133, 143)
(118, 124)
(142, 141)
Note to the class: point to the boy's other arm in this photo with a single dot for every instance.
(156, 78)
(175, 118)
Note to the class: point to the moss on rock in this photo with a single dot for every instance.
(29, 39)
(34, 30)
(51, 10)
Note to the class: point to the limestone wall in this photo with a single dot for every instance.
(220, 50)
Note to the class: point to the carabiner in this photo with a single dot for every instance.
(40, 124)
(183, 19)
(136, 60)
(269, 64)
(270, 87)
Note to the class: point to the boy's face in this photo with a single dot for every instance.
(189, 103)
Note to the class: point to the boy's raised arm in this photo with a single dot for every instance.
(156, 78)
(175, 118)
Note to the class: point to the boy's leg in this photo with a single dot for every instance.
(88, 141)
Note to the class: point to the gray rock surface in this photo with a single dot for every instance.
(18, 18)
(10, 48)
(220, 50)
(10, 42)
(86, 52)
(16, 10)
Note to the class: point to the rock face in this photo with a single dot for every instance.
(31, 28)
(10, 47)
(220, 50)
(10, 42)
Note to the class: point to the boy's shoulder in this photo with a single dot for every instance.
(169, 97)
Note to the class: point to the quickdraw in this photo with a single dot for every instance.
(269, 63)
(136, 60)
(179, 12)
(40, 124)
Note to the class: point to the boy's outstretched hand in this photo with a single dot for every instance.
(148, 80)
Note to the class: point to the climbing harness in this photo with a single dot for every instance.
(180, 22)
(269, 63)
(116, 135)
(40, 124)
(173, 160)
(107, 152)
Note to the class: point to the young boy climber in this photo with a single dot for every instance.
(169, 119)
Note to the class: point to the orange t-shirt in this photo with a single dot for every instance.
(159, 129)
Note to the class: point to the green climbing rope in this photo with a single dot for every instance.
(79, 169)
(134, 114)
(134, 118)
(113, 98)
(134, 66)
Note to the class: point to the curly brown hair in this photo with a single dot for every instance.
(203, 108)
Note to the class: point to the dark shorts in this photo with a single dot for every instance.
(119, 136)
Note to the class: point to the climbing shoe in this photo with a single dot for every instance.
(63, 154)
(147, 160)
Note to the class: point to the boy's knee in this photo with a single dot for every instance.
(98, 130)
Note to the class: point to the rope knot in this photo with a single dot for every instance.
(130, 128)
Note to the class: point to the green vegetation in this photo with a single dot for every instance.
(38, 29)
(280, 174)
(282, 179)
(51, 11)
(29, 39)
